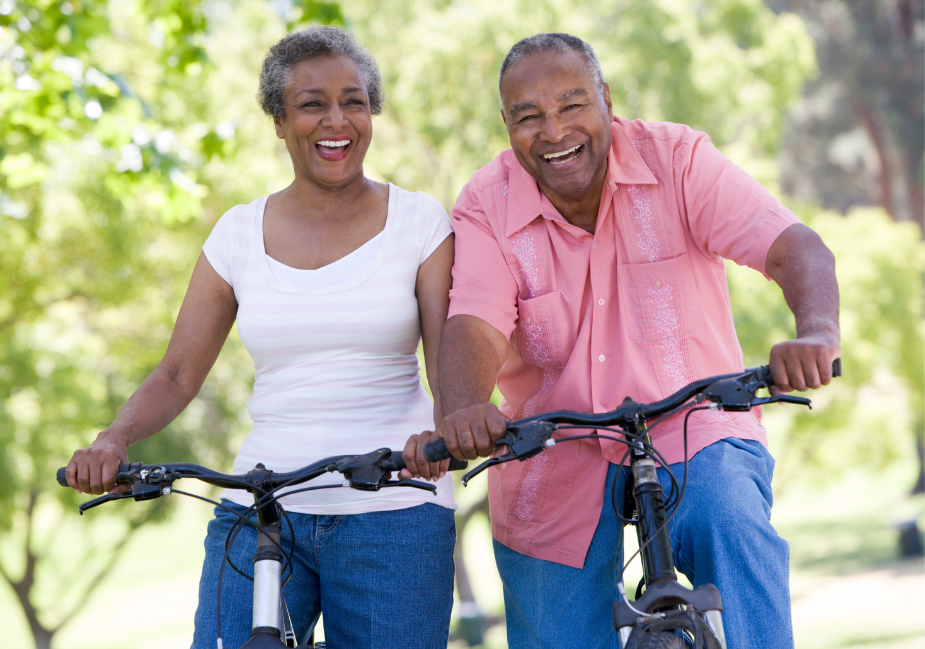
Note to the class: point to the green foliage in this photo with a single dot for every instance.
(729, 68)
(863, 418)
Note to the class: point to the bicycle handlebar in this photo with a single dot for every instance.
(733, 392)
(368, 472)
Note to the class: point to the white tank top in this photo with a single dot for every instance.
(335, 364)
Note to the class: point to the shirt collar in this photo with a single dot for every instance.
(526, 202)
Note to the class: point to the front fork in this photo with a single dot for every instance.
(655, 552)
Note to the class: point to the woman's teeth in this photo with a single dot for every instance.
(333, 144)
(562, 156)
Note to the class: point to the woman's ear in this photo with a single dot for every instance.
(280, 133)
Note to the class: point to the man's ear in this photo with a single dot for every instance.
(605, 92)
(503, 117)
(279, 128)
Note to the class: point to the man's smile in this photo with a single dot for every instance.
(566, 155)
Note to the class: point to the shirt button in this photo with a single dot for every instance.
(657, 283)
(529, 320)
(594, 245)
(601, 301)
(602, 358)
(611, 451)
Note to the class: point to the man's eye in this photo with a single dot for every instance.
(527, 117)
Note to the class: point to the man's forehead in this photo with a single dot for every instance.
(567, 69)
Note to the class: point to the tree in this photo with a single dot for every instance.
(858, 136)
(105, 198)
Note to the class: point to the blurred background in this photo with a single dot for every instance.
(128, 127)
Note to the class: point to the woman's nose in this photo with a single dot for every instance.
(335, 117)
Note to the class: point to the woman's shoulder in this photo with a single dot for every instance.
(241, 215)
(418, 207)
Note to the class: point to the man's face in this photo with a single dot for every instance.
(558, 122)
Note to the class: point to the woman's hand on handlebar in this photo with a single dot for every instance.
(804, 363)
(94, 469)
(416, 465)
(471, 432)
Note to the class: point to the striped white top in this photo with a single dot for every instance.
(336, 367)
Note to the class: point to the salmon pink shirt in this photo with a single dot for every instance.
(640, 308)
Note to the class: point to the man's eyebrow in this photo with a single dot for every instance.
(577, 92)
(522, 106)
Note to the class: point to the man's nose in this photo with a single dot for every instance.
(555, 129)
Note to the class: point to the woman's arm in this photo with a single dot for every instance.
(206, 316)
(432, 289)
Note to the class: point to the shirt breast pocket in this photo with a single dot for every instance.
(660, 299)
(543, 335)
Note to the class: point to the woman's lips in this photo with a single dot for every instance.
(333, 150)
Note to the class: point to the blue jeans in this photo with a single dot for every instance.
(721, 534)
(382, 580)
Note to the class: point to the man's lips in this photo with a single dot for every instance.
(563, 156)
(333, 149)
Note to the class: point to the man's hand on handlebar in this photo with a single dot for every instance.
(804, 363)
(94, 469)
(472, 432)
(416, 465)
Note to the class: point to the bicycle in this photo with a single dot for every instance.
(271, 626)
(666, 614)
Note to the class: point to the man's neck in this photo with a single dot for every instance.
(581, 211)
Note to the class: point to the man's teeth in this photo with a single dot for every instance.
(550, 156)
(334, 144)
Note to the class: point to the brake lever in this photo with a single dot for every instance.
(783, 398)
(82, 507)
(490, 462)
(410, 483)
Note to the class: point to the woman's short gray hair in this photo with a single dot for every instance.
(553, 42)
(308, 44)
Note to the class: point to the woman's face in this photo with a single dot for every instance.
(327, 126)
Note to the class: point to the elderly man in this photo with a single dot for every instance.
(589, 267)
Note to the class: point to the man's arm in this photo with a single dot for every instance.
(471, 354)
(804, 268)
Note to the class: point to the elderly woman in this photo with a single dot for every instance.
(332, 281)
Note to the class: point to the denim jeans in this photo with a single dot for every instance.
(382, 579)
(721, 534)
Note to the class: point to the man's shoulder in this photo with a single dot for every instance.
(496, 172)
(638, 129)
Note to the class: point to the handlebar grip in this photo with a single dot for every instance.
(436, 451)
(124, 469)
(764, 372)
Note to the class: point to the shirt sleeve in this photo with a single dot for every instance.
(483, 285)
(219, 247)
(435, 225)
(729, 213)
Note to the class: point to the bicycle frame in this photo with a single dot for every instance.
(271, 627)
(666, 605)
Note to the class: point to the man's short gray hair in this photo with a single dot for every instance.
(554, 42)
(276, 74)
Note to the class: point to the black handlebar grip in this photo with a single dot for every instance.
(124, 469)
(836, 367)
(764, 372)
(436, 451)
